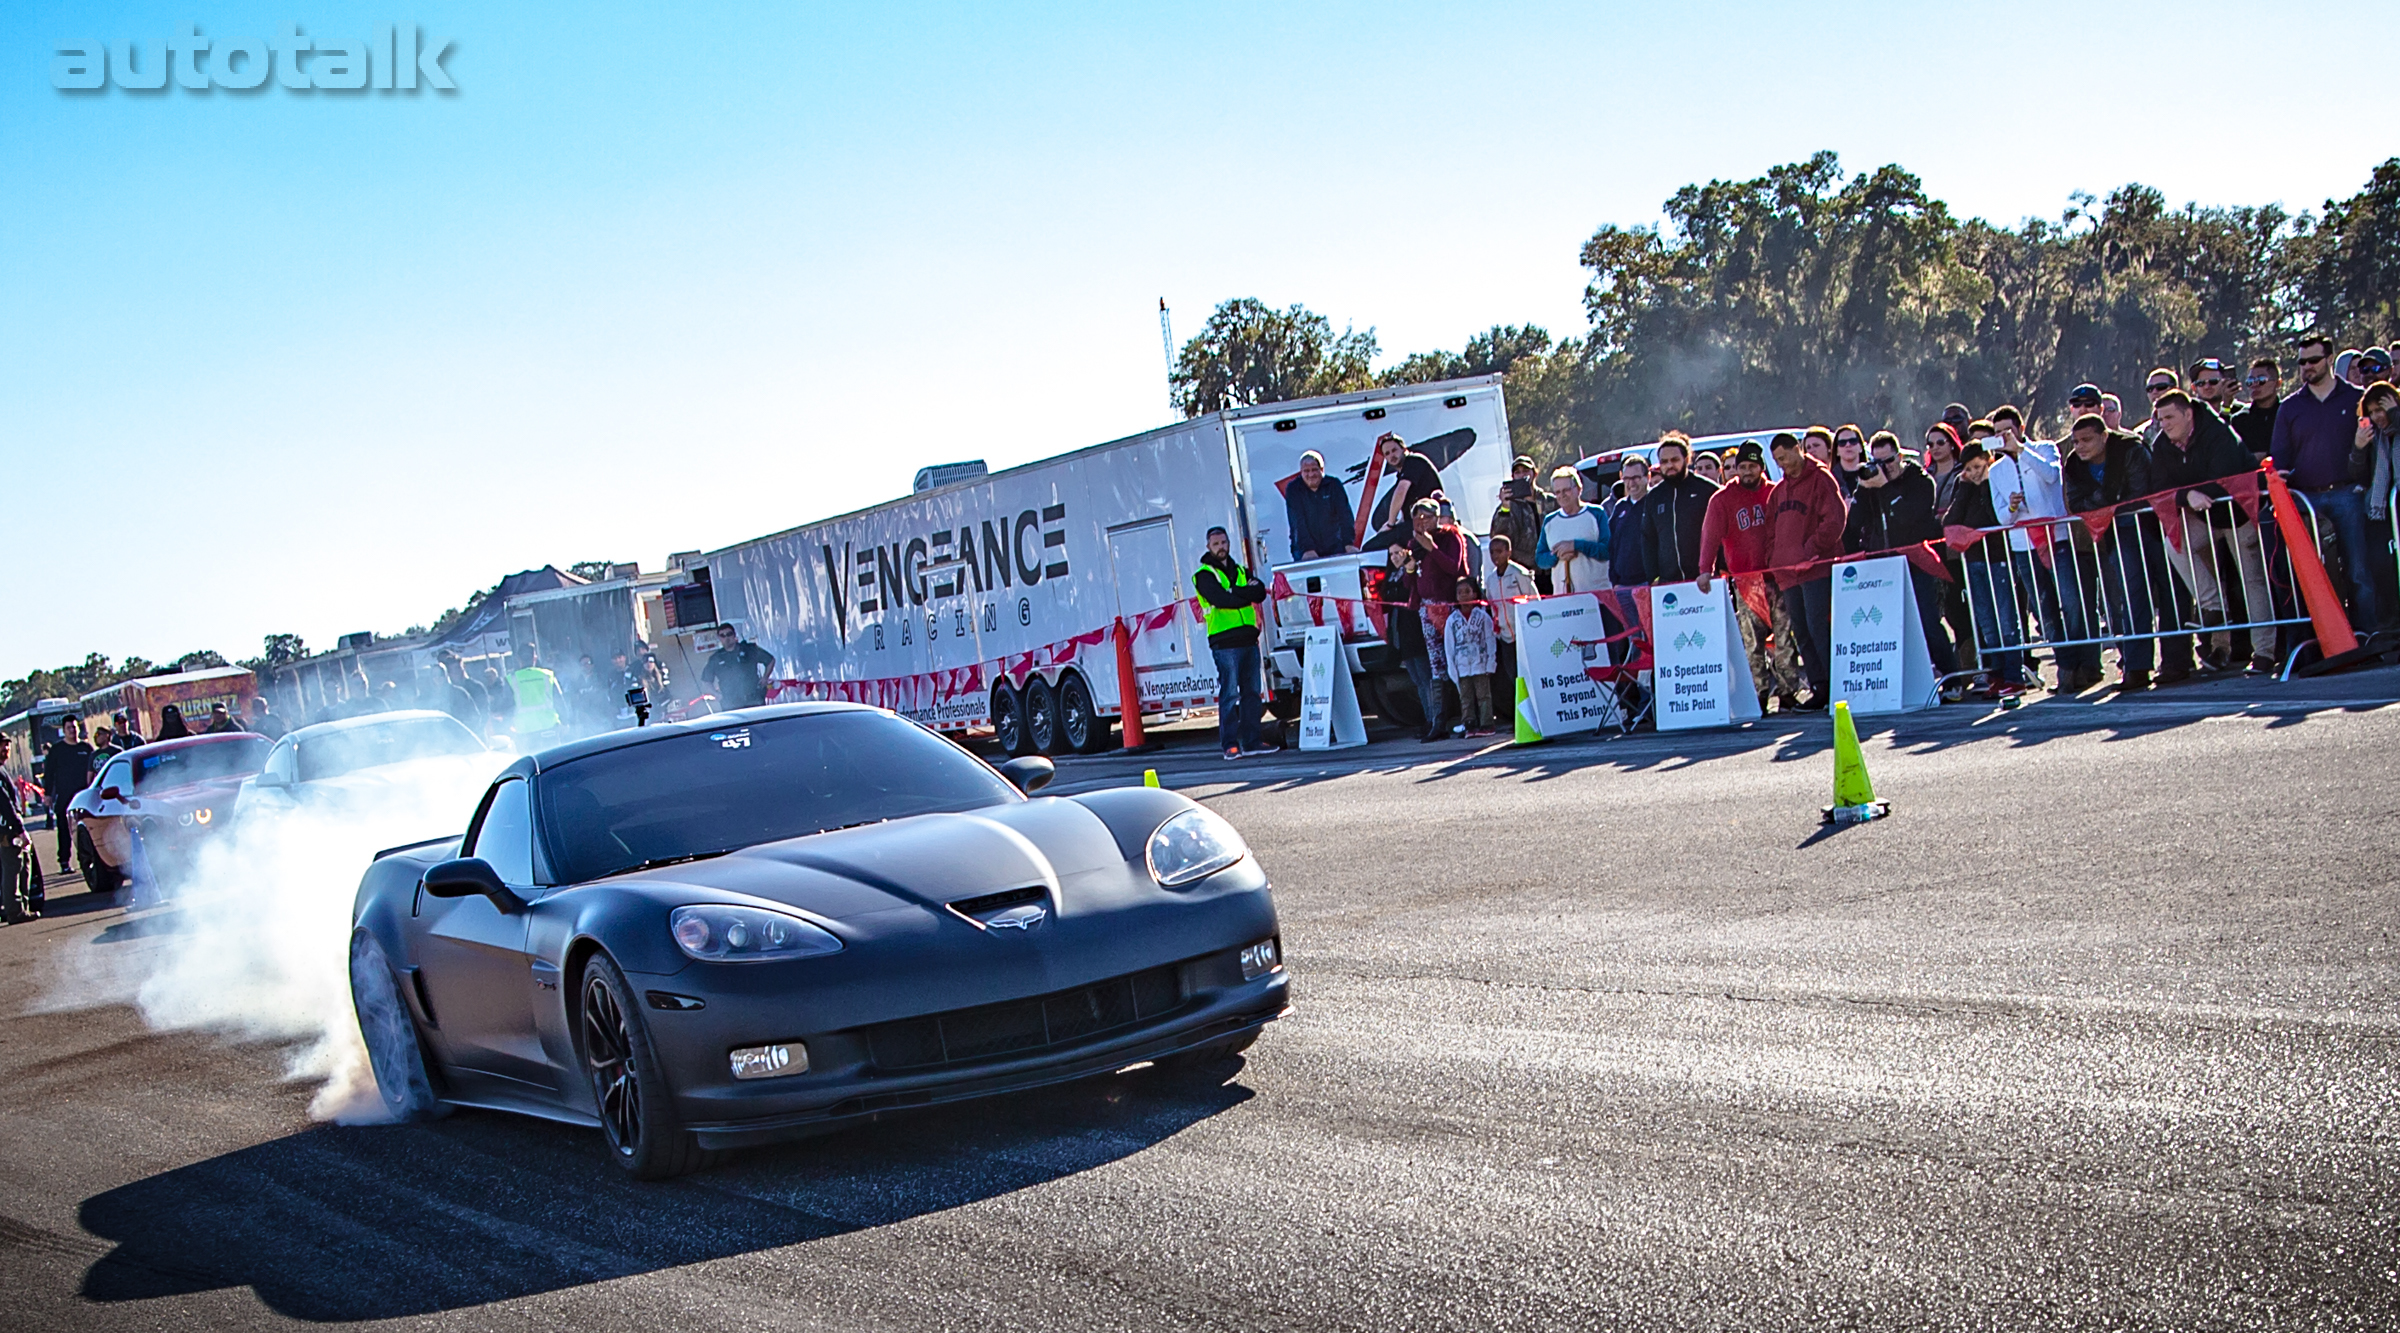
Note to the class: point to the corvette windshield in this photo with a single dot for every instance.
(720, 790)
(198, 763)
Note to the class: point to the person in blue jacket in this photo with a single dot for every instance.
(1317, 510)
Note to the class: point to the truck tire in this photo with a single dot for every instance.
(1008, 720)
(1042, 731)
(1285, 705)
(1079, 722)
(1396, 700)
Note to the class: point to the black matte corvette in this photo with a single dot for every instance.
(762, 924)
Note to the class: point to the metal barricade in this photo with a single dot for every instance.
(2146, 578)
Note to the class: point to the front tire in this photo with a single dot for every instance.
(637, 1109)
(390, 1033)
(98, 878)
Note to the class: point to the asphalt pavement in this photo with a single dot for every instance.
(2099, 1030)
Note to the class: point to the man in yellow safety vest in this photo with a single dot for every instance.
(538, 698)
(1231, 595)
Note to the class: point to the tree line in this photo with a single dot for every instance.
(1808, 294)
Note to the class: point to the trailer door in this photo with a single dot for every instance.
(1147, 571)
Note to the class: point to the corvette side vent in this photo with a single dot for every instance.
(978, 912)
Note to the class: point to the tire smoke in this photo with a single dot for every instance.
(253, 942)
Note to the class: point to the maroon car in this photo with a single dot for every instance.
(155, 804)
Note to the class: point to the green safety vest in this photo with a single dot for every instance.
(537, 695)
(1219, 619)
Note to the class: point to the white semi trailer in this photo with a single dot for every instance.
(992, 602)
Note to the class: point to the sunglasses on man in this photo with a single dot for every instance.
(2312, 360)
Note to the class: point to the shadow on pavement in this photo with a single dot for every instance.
(340, 1224)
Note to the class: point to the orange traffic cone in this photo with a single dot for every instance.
(1129, 689)
(2334, 636)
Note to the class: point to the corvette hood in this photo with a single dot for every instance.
(923, 861)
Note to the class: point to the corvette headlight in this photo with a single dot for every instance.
(1191, 846)
(722, 933)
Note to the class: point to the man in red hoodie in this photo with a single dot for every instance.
(1734, 534)
(1806, 516)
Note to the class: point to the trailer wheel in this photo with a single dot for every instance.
(1396, 699)
(1079, 722)
(1041, 717)
(1008, 720)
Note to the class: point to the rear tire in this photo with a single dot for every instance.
(1079, 722)
(1396, 701)
(1042, 732)
(637, 1108)
(390, 1033)
(1008, 720)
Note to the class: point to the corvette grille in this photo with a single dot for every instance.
(1025, 1025)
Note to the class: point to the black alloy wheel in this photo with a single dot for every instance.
(1041, 717)
(1396, 700)
(1008, 720)
(393, 1052)
(1079, 721)
(636, 1115)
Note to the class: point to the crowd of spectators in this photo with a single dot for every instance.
(2151, 541)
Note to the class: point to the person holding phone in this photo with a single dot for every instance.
(1894, 510)
(1520, 512)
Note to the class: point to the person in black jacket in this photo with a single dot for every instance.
(1672, 515)
(1893, 508)
(20, 864)
(66, 771)
(1317, 510)
(1404, 632)
(2109, 470)
(2209, 542)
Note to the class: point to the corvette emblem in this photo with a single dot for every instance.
(1018, 918)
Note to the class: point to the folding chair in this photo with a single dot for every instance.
(1634, 700)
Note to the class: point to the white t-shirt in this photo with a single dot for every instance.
(1581, 573)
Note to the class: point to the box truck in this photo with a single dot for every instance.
(995, 601)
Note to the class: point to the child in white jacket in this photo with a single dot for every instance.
(1472, 639)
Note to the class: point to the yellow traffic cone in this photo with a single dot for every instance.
(1527, 733)
(1853, 791)
(1149, 777)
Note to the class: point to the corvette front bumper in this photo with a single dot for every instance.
(848, 1078)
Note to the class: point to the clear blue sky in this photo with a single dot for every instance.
(317, 362)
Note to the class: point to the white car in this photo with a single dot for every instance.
(330, 765)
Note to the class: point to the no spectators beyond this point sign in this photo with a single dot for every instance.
(1329, 718)
(1880, 662)
(1703, 673)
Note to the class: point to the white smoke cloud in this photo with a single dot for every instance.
(255, 943)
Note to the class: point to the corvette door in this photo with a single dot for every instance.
(473, 956)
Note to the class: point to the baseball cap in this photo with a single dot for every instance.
(2084, 393)
(1956, 412)
(2208, 363)
(1524, 461)
(1750, 452)
(2376, 361)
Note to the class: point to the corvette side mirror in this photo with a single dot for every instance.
(470, 875)
(1030, 773)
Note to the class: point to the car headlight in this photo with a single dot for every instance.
(722, 933)
(1191, 846)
